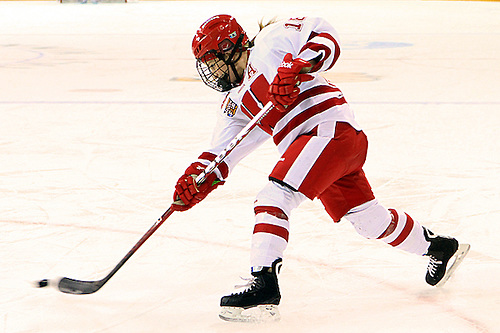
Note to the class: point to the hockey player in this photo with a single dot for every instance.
(322, 149)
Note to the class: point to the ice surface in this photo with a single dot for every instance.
(101, 112)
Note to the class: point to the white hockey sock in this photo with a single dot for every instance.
(270, 236)
(405, 233)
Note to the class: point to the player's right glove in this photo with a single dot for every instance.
(284, 89)
(187, 193)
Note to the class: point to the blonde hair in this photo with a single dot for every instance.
(271, 21)
(262, 25)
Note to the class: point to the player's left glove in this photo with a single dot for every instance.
(188, 193)
(284, 89)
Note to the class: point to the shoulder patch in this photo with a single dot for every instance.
(230, 108)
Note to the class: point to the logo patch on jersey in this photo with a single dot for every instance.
(251, 71)
(230, 108)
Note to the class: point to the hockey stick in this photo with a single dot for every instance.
(237, 139)
(79, 287)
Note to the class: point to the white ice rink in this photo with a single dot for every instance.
(101, 112)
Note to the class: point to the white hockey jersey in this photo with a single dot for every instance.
(319, 101)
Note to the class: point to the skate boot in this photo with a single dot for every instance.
(445, 255)
(259, 302)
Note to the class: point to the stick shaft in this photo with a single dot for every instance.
(141, 241)
(237, 139)
(72, 286)
(79, 287)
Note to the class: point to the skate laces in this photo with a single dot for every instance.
(434, 263)
(249, 282)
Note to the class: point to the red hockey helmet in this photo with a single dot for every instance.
(219, 34)
(217, 46)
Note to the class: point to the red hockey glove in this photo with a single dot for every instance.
(187, 193)
(284, 89)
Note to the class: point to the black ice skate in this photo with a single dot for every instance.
(259, 302)
(445, 255)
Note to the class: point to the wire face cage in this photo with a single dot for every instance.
(215, 67)
(214, 73)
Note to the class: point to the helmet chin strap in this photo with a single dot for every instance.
(217, 76)
(236, 75)
(231, 63)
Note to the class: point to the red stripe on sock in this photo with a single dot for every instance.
(271, 229)
(274, 211)
(392, 226)
(405, 232)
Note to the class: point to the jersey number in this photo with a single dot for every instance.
(295, 23)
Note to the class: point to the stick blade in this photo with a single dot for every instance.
(78, 287)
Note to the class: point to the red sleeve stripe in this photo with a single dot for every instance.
(320, 46)
(223, 167)
(271, 229)
(336, 53)
(317, 48)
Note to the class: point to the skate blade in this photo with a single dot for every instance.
(457, 258)
(258, 314)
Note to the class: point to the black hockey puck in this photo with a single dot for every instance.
(43, 283)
